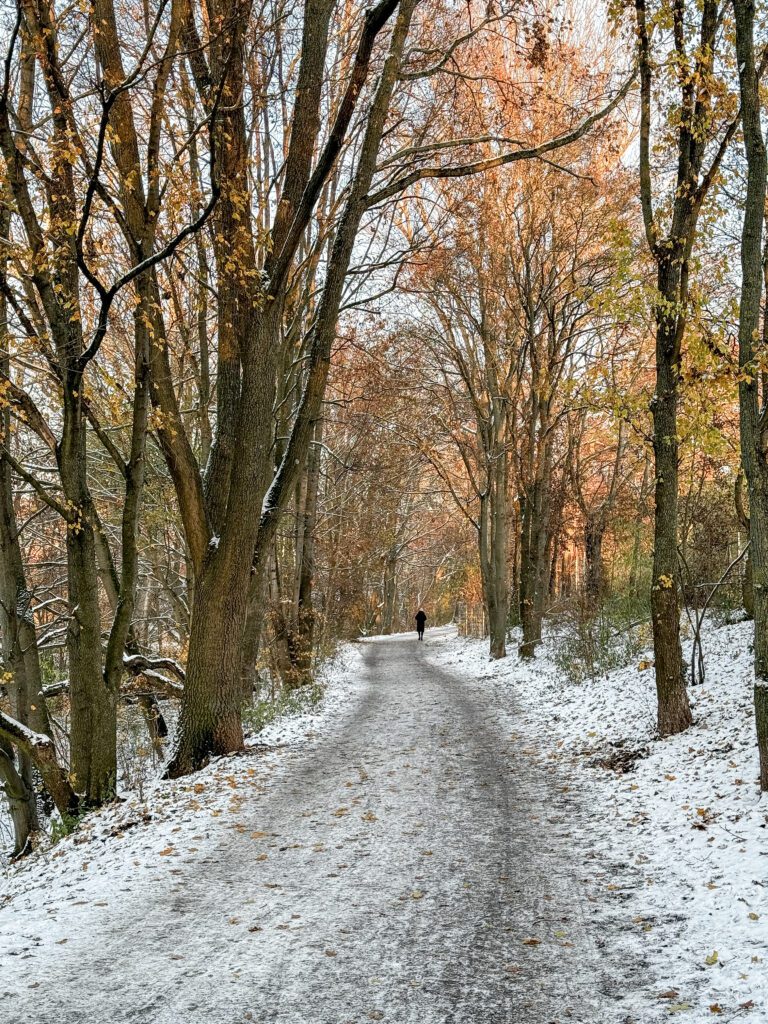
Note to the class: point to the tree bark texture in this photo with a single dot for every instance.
(753, 425)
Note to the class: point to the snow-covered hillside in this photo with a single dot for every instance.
(681, 819)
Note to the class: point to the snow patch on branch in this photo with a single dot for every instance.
(21, 734)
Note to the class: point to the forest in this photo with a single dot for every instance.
(314, 314)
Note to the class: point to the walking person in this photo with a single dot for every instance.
(421, 618)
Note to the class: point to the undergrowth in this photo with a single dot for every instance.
(593, 643)
(263, 712)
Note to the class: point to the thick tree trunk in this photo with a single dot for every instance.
(93, 736)
(674, 713)
(754, 428)
(209, 722)
(210, 715)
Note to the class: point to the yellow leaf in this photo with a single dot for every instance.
(712, 959)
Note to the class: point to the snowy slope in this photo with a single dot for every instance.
(685, 827)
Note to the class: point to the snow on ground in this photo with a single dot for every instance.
(170, 818)
(680, 820)
(669, 838)
(403, 861)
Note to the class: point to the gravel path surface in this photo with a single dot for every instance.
(411, 864)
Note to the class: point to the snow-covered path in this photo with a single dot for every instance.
(411, 864)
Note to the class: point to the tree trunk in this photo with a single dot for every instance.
(389, 591)
(306, 614)
(527, 581)
(21, 800)
(753, 426)
(209, 723)
(693, 128)
(674, 713)
(673, 709)
(533, 567)
(93, 736)
(499, 604)
(210, 715)
(19, 640)
(493, 555)
(594, 576)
